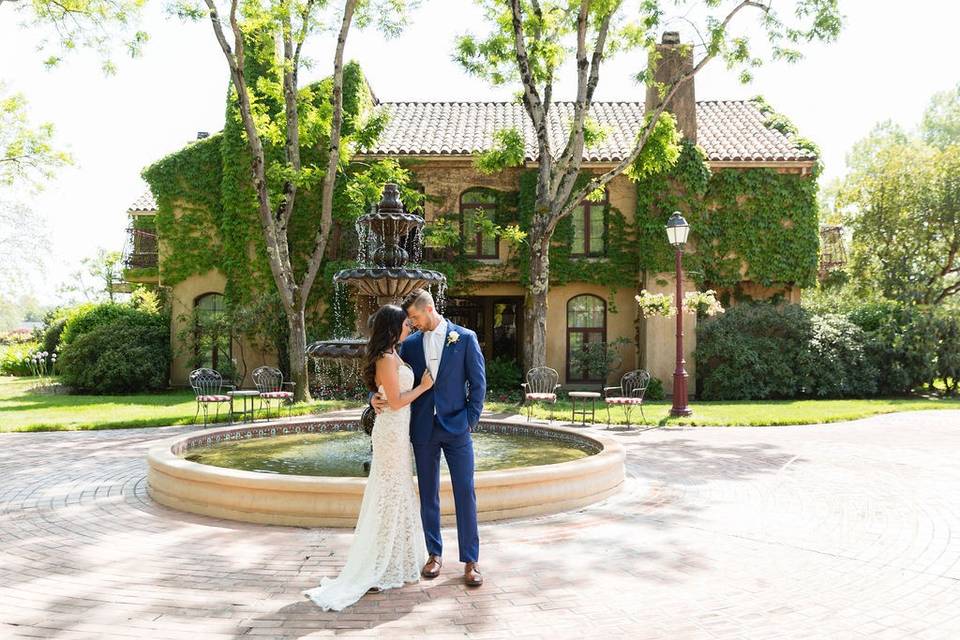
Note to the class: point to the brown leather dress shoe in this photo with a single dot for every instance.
(471, 575)
(432, 568)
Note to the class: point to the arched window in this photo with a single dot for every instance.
(586, 325)
(589, 229)
(212, 332)
(476, 243)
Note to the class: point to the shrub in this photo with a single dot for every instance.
(86, 317)
(503, 375)
(654, 390)
(752, 352)
(127, 352)
(947, 327)
(901, 343)
(836, 363)
(52, 333)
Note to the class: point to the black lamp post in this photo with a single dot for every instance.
(677, 231)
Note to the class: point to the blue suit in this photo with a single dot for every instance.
(457, 397)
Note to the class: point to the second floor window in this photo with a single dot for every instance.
(589, 229)
(476, 243)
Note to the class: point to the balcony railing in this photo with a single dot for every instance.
(141, 249)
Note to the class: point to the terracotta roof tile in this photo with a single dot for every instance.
(146, 202)
(731, 130)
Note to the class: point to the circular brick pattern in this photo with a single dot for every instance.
(834, 531)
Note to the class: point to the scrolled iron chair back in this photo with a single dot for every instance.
(542, 380)
(634, 384)
(206, 382)
(268, 379)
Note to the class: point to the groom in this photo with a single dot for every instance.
(441, 420)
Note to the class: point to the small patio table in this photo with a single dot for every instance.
(583, 396)
(244, 395)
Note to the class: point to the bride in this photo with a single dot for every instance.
(388, 547)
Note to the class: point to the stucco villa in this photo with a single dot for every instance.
(438, 141)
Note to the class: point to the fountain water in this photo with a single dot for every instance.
(381, 275)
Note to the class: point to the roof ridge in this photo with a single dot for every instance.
(512, 102)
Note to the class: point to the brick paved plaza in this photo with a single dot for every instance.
(837, 531)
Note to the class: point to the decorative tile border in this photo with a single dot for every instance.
(250, 432)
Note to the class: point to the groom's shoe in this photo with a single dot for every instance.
(432, 568)
(471, 575)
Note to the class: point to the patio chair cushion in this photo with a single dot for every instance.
(623, 400)
(213, 398)
(552, 397)
(276, 394)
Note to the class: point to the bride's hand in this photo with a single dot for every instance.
(426, 382)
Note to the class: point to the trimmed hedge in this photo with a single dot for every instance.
(116, 352)
(760, 351)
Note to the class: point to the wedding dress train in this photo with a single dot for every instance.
(388, 547)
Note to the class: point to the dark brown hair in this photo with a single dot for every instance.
(387, 325)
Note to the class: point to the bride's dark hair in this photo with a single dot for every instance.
(387, 325)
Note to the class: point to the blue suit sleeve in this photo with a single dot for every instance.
(476, 378)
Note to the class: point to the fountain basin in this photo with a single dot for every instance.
(322, 501)
(388, 282)
(338, 348)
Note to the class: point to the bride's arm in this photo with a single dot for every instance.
(388, 376)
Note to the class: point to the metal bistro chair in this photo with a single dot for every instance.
(541, 386)
(208, 386)
(270, 384)
(629, 394)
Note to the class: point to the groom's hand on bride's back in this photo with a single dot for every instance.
(378, 401)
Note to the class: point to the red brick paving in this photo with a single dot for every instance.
(835, 531)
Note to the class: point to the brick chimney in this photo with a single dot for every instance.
(672, 64)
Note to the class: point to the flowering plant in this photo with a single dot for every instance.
(702, 303)
(452, 338)
(655, 304)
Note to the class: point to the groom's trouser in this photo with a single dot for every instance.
(458, 451)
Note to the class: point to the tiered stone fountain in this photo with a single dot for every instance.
(381, 275)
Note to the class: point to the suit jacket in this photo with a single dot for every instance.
(457, 393)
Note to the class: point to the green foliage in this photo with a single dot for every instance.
(902, 201)
(621, 255)
(121, 354)
(503, 375)
(902, 343)
(661, 150)
(597, 360)
(761, 351)
(85, 317)
(655, 390)
(27, 153)
(208, 216)
(507, 151)
(550, 28)
(15, 358)
(757, 217)
(941, 120)
(835, 346)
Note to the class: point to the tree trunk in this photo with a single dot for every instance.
(535, 307)
(297, 346)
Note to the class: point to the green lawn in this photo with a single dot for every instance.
(23, 410)
(751, 413)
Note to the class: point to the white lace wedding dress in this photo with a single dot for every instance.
(388, 547)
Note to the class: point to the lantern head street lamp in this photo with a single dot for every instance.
(677, 231)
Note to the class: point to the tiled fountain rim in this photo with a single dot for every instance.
(324, 425)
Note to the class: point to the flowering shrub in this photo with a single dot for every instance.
(655, 304)
(702, 303)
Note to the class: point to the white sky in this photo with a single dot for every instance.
(888, 61)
